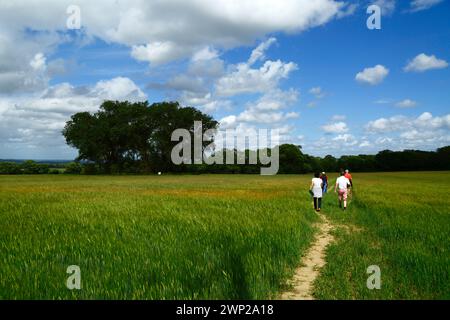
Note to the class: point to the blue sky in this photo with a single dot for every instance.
(309, 68)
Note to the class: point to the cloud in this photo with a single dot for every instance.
(160, 52)
(267, 109)
(275, 100)
(385, 125)
(259, 52)
(336, 145)
(426, 121)
(407, 103)
(423, 62)
(419, 5)
(244, 79)
(387, 6)
(365, 144)
(23, 61)
(36, 121)
(216, 105)
(208, 82)
(346, 138)
(337, 127)
(119, 88)
(372, 76)
(195, 87)
(38, 63)
(206, 53)
(276, 135)
(228, 122)
(265, 117)
(317, 92)
(185, 82)
(157, 30)
(207, 85)
(424, 132)
(348, 10)
(213, 68)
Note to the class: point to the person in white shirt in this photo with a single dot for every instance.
(341, 187)
(316, 189)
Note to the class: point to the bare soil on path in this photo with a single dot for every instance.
(302, 282)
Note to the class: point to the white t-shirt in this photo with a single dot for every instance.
(317, 188)
(317, 183)
(342, 183)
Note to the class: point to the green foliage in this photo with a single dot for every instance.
(26, 167)
(73, 168)
(125, 136)
(292, 159)
(89, 169)
(409, 160)
(31, 167)
(10, 168)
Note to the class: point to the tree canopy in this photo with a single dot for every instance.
(124, 136)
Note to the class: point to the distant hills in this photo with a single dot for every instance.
(37, 161)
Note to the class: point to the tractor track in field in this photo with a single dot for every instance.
(301, 283)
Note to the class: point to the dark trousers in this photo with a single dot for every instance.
(317, 203)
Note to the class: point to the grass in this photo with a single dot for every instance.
(150, 237)
(399, 222)
(218, 237)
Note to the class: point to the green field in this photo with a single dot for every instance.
(219, 236)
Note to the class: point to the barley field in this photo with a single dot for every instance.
(399, 222)
(219, 236)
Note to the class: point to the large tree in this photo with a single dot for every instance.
(131, 135)
(166, 117)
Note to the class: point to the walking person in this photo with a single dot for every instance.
(341, 187)
(324, 178)
(349, 177)
(316, 189)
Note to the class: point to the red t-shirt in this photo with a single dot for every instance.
(348, 176)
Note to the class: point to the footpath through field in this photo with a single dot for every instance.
(302, 282)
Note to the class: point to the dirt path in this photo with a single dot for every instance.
(312, 262)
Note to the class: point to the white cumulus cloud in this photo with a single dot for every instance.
(372, 76)
(337, 127)
(423, 62)
(163, 31)
(244, 79)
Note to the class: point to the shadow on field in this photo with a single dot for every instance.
(240, 289)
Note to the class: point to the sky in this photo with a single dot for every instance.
(310, 68)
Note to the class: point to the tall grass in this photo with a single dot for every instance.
(219, 237)
(168, 237)
(400, 222)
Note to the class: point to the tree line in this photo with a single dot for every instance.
(135, 138)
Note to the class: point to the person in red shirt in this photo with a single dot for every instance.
(349, 177)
